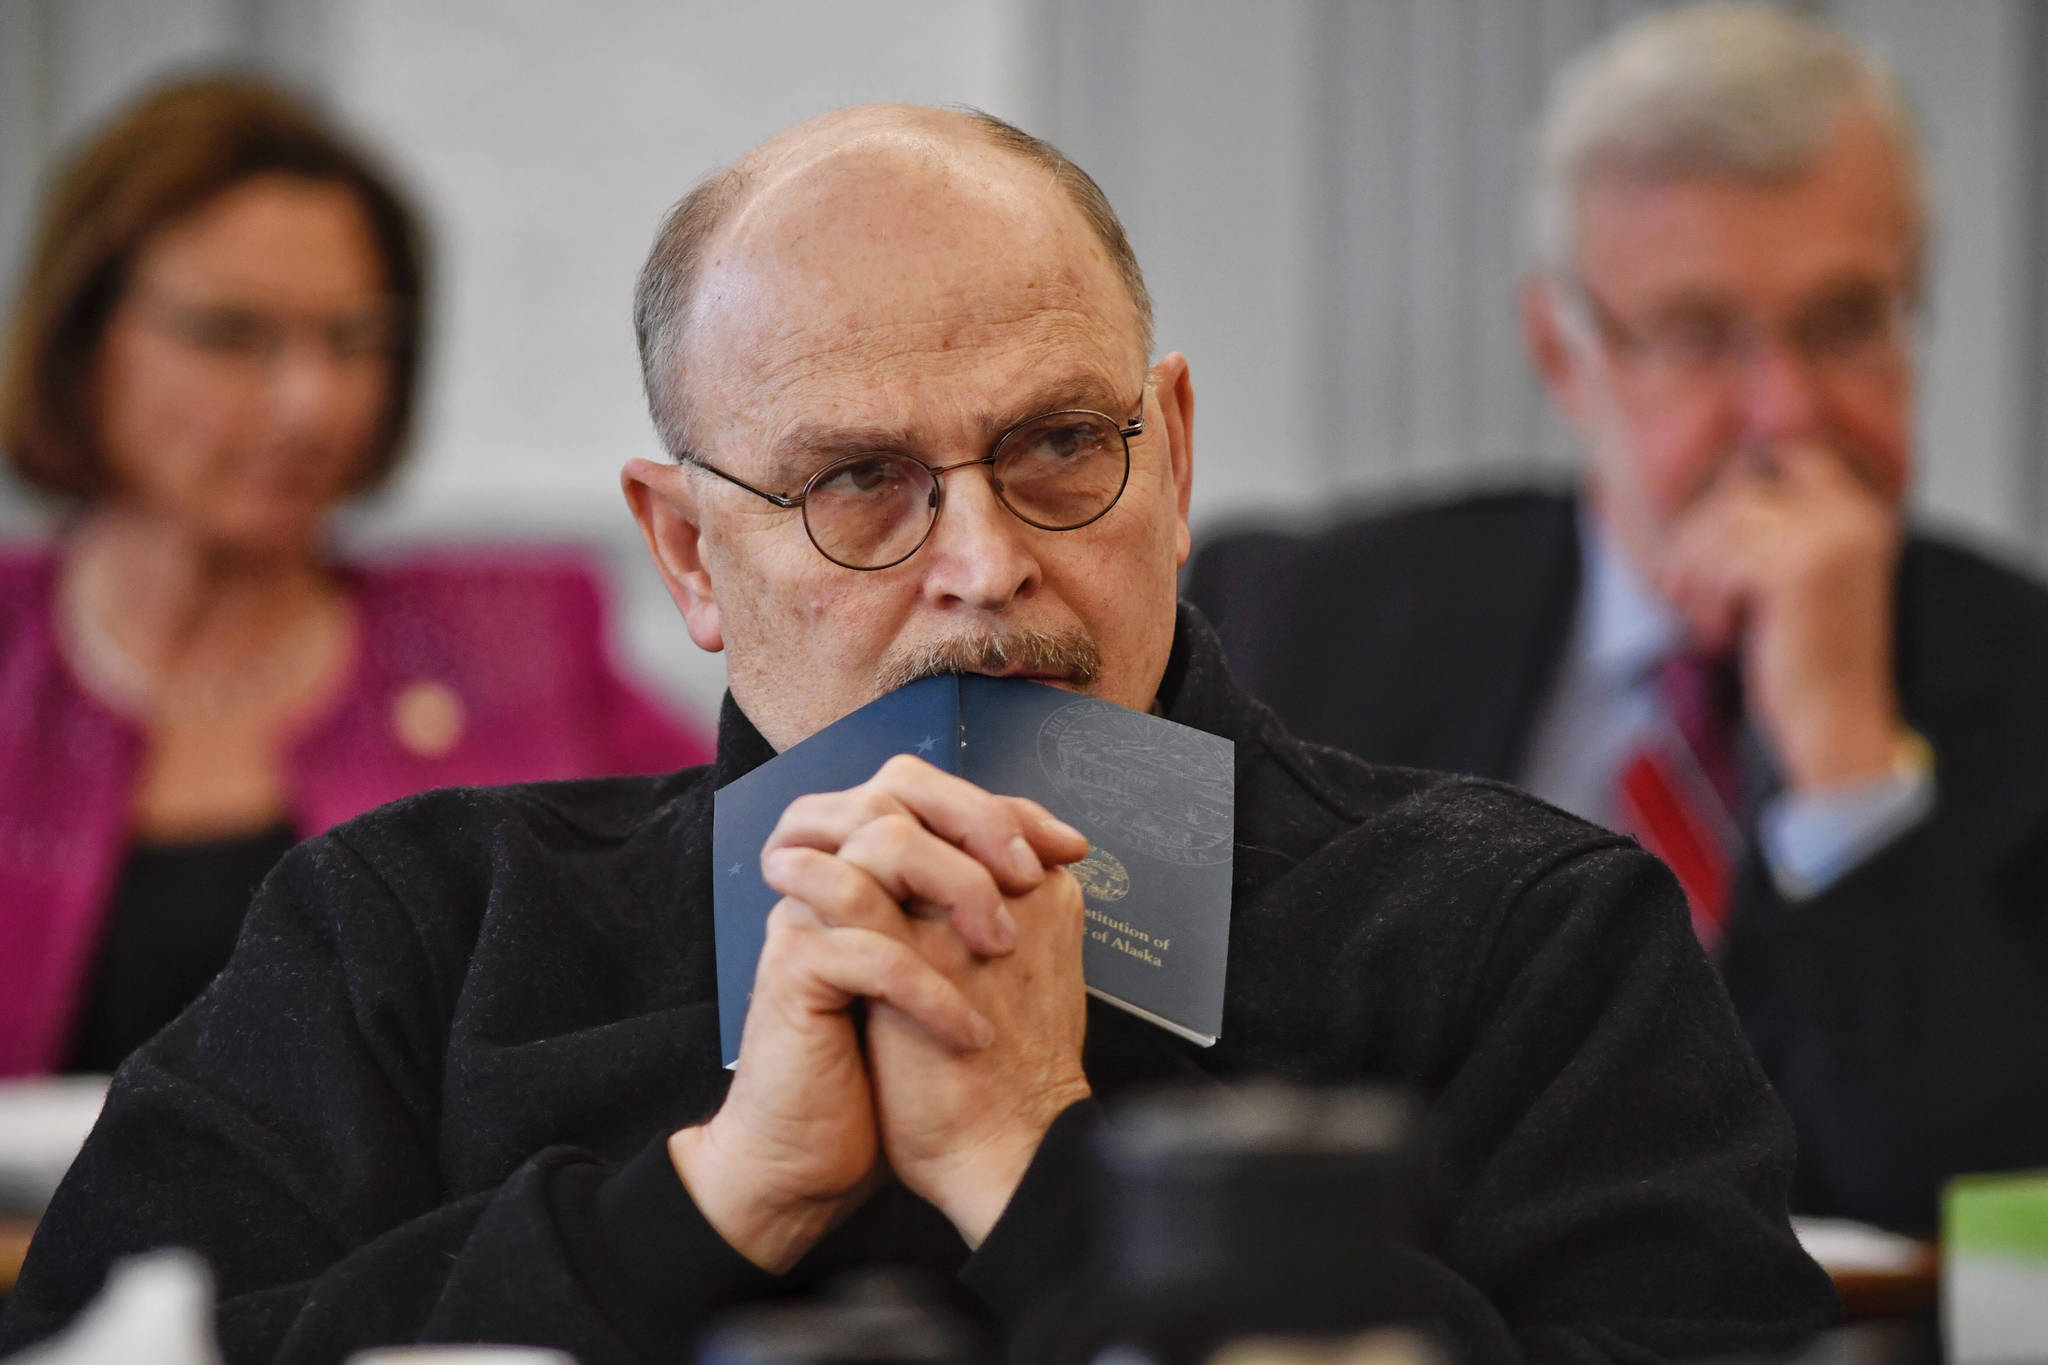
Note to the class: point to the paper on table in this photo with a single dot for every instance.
(1843, 1245)
(156, 1307)
(43, 1123)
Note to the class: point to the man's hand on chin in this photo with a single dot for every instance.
(795, 1146)
(959, 1127)
(1789, 561)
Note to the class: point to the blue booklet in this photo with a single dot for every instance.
(1155, 799)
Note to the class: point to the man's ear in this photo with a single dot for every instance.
(1558, 363)
(664, 501)
(1176, 395)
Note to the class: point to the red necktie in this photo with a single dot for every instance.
(1680, 792)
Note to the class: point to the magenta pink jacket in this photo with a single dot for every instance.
(515, 641)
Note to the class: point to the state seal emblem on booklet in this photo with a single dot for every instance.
(1155, 798)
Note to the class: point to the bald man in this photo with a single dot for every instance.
(462, 1078)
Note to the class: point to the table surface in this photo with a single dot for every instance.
(14, 1235)
(1912, 1291)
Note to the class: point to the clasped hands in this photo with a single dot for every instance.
(948, 910)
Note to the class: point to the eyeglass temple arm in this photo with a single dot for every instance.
(777, 498)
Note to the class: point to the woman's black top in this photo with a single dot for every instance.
(177, 909)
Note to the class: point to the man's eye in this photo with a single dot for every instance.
(355, 338)
(1843, 327)
(863, 478)
(1064, 443)
(1695, 340)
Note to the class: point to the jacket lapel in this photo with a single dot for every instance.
(1505, 618)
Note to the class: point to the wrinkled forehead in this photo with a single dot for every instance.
(893, 252)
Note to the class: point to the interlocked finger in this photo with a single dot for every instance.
(924, 873)
(831, 892)
(1013, 838)
(849, 963)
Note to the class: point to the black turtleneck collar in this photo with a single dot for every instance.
(741, 748)
(1196, 690)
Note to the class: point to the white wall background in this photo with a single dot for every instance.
(1323, 193)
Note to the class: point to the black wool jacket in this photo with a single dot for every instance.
(428, 1098)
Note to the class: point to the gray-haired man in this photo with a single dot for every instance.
(1834, 732)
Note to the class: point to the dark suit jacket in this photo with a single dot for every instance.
(1903, 1012)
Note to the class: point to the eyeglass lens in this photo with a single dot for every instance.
(1057, 472)
(1849, 332)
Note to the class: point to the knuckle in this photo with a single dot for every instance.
(977, 883)
(787, 857)
(874, 802)
(837, 878)
(1023, 808)
(896, 968)
(900, 768)
(786, 934)
(896, 832)
(804, 809)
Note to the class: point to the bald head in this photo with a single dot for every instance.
(841, 197)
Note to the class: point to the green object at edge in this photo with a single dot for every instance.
(1998, 1215)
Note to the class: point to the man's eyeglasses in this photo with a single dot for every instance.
(1058, 471)
(1851, 334)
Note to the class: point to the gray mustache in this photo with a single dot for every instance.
(1070, 655)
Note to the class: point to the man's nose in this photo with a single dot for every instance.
(979, 555)
(1783, 396)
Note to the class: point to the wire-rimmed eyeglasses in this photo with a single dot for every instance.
(1057, 471)
(1851, 332)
